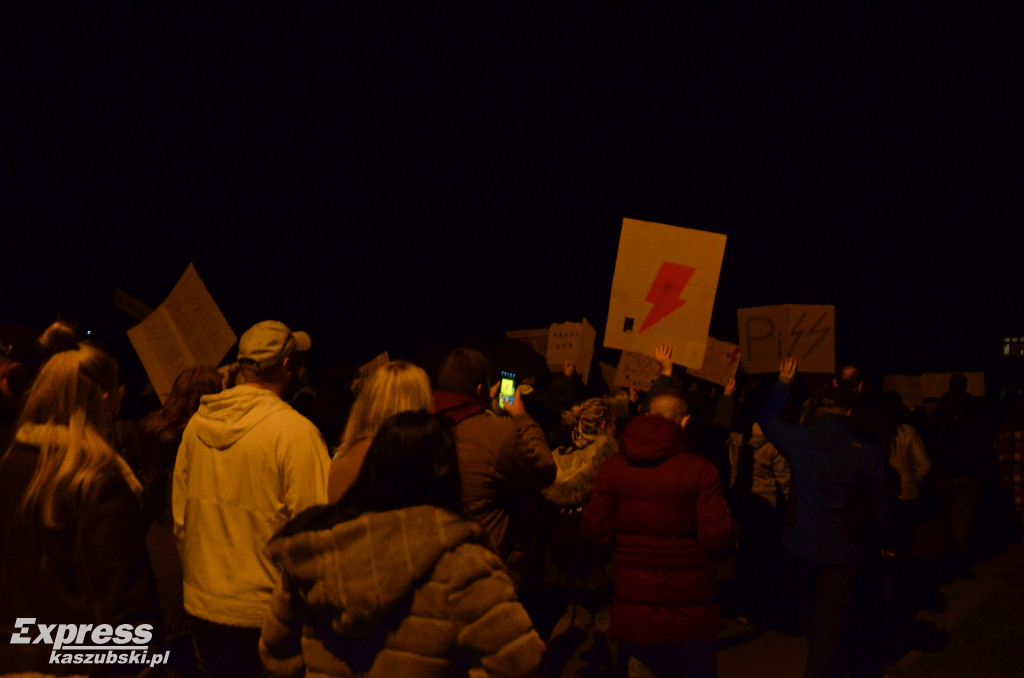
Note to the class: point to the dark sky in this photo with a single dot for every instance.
(388, 178)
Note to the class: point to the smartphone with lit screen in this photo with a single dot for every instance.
(507, 390)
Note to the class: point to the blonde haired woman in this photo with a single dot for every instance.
(71, 536)
(396, 387)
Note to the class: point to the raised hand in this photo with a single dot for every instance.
(663, 354)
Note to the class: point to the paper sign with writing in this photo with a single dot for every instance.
(770, 333)
(535, 339)
(364, 372)
(720, 362)
(663, 289)
(573, 342)
(935, 384)
(636, 369)
(187, 330)
(608, 372)
(908, 386)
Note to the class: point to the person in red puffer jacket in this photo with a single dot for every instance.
(664, 508)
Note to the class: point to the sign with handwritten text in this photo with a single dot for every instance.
(770, 333)
(573, 342)
(720, 362)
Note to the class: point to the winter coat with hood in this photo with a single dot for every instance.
(248, 463)
(408, 592)
(664, 508)
(838, 497)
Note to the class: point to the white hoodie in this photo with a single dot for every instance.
(247, 464)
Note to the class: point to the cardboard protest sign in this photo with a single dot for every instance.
(908, 386)
(187, 330)
(573, 342)
(365, 371)
(720, 362)
(636, 369)
(535, 339)
(663, 289)
(804, 331)
(936, 384)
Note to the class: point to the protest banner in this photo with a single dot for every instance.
(663, 289)
(573, 342)
(366, 370)
(636, 370)
(803, 331)
(936, 384)
(535, 339)
(908, 386)
(721, 359)
(187, 330)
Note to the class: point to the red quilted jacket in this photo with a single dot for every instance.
(665, 511)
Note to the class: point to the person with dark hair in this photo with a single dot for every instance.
(838, 484)
(71, 531)
(663, 507)
(247, 464)
(501, 458)
(394, 580)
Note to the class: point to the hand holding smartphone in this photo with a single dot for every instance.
(507, 390)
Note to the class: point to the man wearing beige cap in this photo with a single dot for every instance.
(247, 464)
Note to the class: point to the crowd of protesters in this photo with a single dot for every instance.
(440, 530)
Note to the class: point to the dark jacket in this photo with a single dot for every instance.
(664, 508)
(838, 499)
(500, 458)
(93, 570)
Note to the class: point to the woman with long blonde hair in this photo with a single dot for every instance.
(395, 387)
(71, 533)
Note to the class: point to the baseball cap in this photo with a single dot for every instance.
(268, 343)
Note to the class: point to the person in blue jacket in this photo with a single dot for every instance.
(838, 509)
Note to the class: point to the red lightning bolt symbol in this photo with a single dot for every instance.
(665, 290)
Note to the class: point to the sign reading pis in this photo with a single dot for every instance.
(770, 333)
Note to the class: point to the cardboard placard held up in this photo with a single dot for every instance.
(804, 331)
(636, 370)
(908, 386)
(936, 384)
(573, 342)
(187, 330)
(608, 373)
(720, 362)
(365, 371)
(535, 339)
(663, 289)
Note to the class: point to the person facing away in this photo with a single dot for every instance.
(72, 545)
(838, 507)
(395, 387)
(394, 580)
(247, 464)
(663, 507)
(500, 458)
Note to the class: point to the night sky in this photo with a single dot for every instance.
(391, 178)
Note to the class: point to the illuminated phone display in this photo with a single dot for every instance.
(508, 389)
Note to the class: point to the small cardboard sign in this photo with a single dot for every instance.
(365, 371)
(608, 372)
(804, 331)
(187, 330)
(636, 370)
(720, 362)
(936, 384)
(663, 289)
(908, 386)
(573, 342)
(535, 339)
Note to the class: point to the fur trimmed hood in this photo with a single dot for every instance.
(577, 470)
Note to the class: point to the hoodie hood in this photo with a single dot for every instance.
(359, 571)
(651, 439)
(830, 431)
(757, 436)
(225, 417)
